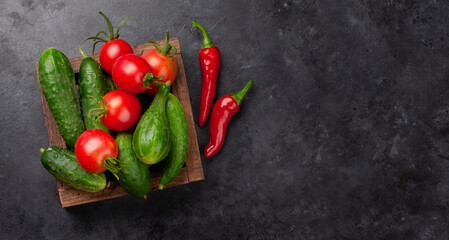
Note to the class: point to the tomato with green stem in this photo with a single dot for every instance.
(132, 73)
(96, 151)
(118, 111)
(161, 62)
(113, 47)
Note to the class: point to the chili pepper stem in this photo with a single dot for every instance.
(206, 40)
(239, 96)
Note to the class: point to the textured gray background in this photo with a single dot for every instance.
(344, 134)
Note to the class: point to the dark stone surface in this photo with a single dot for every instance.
(343, 135)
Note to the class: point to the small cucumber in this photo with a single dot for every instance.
(58, 85)
(179, 138)
(62, 164)
(92, 83)
(151, 140)
(134, 175)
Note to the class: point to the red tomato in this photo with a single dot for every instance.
(92, 147)
(111, 51)
(123, 110)
(128, 73)
(161, 65)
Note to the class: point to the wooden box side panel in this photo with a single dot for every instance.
(192, 172)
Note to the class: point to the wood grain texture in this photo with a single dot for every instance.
(193, 170)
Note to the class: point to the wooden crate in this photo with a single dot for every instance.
(191, 172)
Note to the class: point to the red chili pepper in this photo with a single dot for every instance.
(210, 65)
(222, 112)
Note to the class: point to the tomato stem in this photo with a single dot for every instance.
(93, 46)
(112, 164)
(121, 23)
(110, 27)
(97, 40)
(110, 36)
(154, 44)
(149, 79)
(167, 46)
(99, 111)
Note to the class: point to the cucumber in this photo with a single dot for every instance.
(134, 175)
(179, 138)
(92, 83)
(62, 164)
(109, 82)
(58, 85)
(151, 140)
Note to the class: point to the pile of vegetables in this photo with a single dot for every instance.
(96, 108)
(106, 102)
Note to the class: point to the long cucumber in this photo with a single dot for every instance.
(179, 138)
(93, 86)
(59, 87)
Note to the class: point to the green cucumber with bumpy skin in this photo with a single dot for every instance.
(62, 164)
(151, 140)
(134, 175)
(179, 138)
(92, 84)
(59, 87)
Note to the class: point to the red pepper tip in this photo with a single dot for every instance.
(207, 152)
